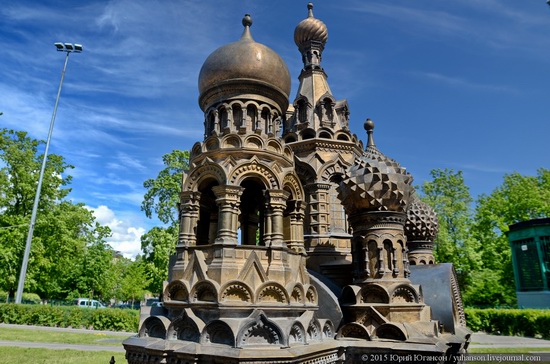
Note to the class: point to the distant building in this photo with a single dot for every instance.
(530, 243)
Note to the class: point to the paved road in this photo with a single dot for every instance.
(482, 340)
(479, 340)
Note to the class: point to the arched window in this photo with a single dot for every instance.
(327, 110)
(302, 111)
(238, 116)
(266, 121)
(210, 123)
(223, 118)
(252, 114)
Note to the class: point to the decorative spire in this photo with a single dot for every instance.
(310, 36)
(247, 23)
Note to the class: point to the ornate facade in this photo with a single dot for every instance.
(295, 242)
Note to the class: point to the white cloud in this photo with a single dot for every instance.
(458, 82)
(125, 237)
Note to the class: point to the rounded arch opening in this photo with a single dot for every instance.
(207, 225)
(252, 212)
(325, 135)
(238, 116)
(308, 134)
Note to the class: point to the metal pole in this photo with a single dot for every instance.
(23, 272)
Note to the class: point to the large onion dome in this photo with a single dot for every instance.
(422, 223)
(247, 68)
(375, 182)
(310, 30)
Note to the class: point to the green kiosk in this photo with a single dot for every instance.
(530, 243)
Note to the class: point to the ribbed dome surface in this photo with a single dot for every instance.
(310, 29)
(244, 62)
(422, 223)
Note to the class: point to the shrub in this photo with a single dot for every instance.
(520, 322)
(63, 316)
(31, 298)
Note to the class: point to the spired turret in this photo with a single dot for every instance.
(315, 112)
(310, 36)
(317, 131)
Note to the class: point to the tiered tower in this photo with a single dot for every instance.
(239, 278)
(317, 131)
(380, 303)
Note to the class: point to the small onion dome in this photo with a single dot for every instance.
(422, 223)
(375, 182)
(310, 30)
(241, 68)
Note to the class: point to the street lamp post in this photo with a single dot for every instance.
(68, 48)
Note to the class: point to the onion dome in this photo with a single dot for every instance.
(310, 30)
(375, 182)
(247, 68)
(422, 223)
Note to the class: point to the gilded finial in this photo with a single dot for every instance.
(310, 10)
(247, 20)
(247, 23)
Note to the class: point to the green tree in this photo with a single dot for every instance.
(62, 234)
(161, 200)
(450, 198)
(20, 167)
(93, 279)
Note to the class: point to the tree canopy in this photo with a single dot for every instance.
(69, 254)
(472, 236)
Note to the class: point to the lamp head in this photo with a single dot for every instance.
(68, 47)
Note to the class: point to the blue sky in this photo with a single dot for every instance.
(450, 84)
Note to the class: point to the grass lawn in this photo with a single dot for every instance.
(11, 355)
(14, 334)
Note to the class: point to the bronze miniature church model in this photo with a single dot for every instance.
(297, 244)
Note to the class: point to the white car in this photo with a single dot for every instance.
(86, 302)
